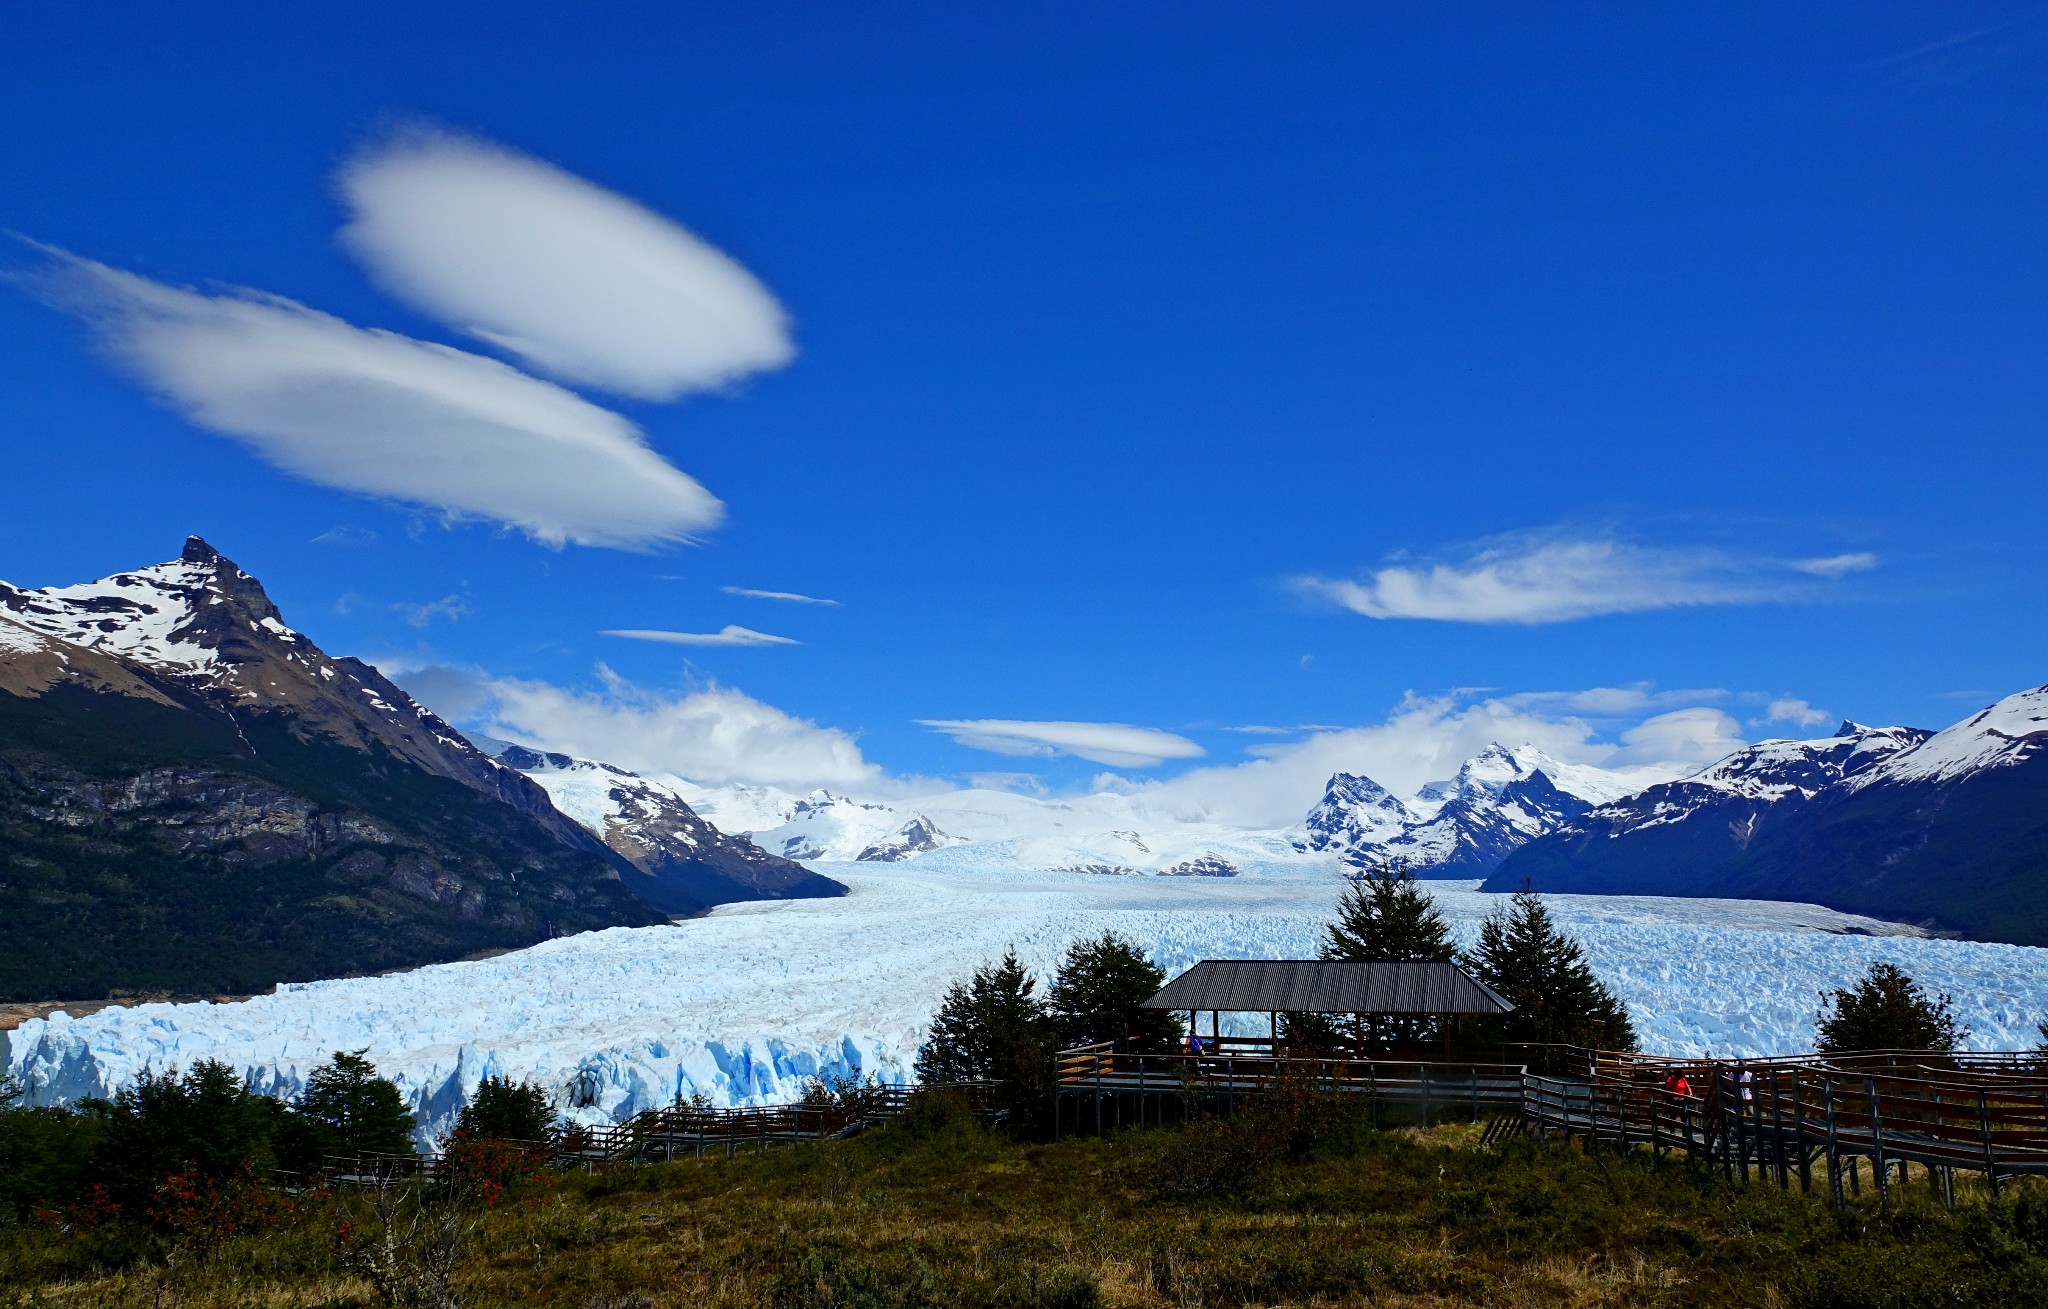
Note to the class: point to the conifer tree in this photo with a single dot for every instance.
(1540, 970)
(357, 1109)
(206, 1124)
(1385, 915)
(1096, 993)
(347, 1108)
(505, 1110)
(990, 1027)
(1886, 1010)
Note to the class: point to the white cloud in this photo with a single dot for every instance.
(789, 596)
(346, 534)
(386, 415)
(1837, 565)
(1117, 744)
(1548, 578)
(714, 735)
(730, 634)
(1796, 712)
(576, 280)
(1683, 738)
(1609, 701)
(1424, 740)
(450, 607)
(1540, 581)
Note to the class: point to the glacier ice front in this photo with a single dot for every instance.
(746, 1004)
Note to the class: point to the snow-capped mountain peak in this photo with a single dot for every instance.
(1499, 799)
(2009, 732)
(1354, 811)
(185, 616)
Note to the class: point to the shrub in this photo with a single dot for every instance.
(1886, 1010)
(827, 1278)
(205, 1126)
(45, 1158)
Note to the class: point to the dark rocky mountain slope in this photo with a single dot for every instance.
(1949, 830)
(195, 799)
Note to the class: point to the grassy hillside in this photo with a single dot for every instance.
(937, 1212)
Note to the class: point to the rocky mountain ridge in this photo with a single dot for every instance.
(195, 799)
(1946, 829)
(687, 862)
(1499, 800)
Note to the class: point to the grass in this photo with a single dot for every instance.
(938, 1213)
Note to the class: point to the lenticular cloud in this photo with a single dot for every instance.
(577, 281)
(386, 415)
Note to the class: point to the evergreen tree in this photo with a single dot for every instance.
(1096, 993)
(505, 1110)
(206, 1124)
(345, 1109)
(992, 1027)
(1544, 974)
(1385, 915)
(1887, 1010)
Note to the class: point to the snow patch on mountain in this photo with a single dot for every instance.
(1767, 773)
(2010, 732)
(149, 615)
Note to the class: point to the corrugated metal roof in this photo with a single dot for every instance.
(1324, 986)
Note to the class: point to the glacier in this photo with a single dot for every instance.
(746, 1003)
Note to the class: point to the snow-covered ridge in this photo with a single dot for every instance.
(1500, 800)
(647, 820)
(1457, 827)
(151, 615)
(1767, 773)
(2010, 732)
(981, 828)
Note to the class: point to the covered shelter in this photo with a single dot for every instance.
(1405, 1003)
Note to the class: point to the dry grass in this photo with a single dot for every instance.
(953, 1216)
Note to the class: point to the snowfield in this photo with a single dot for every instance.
(746, 1003)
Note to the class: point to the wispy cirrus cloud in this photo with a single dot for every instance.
(788, 597)
(1119, 745)
(1861, 561)
(383, 414)
(730, 634)
(450, 607)
(578, 281)
(1538, 578)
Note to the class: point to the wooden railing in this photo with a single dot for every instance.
(1781, 1117)
(1103, 1070)
(1778, 1117)
(658, 1135)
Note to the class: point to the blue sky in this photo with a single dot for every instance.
(1179, 367)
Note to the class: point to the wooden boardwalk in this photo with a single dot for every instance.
(1809, 1119)
(1782, 1118)
(1100, 1087)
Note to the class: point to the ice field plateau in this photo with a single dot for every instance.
(746, 1003)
